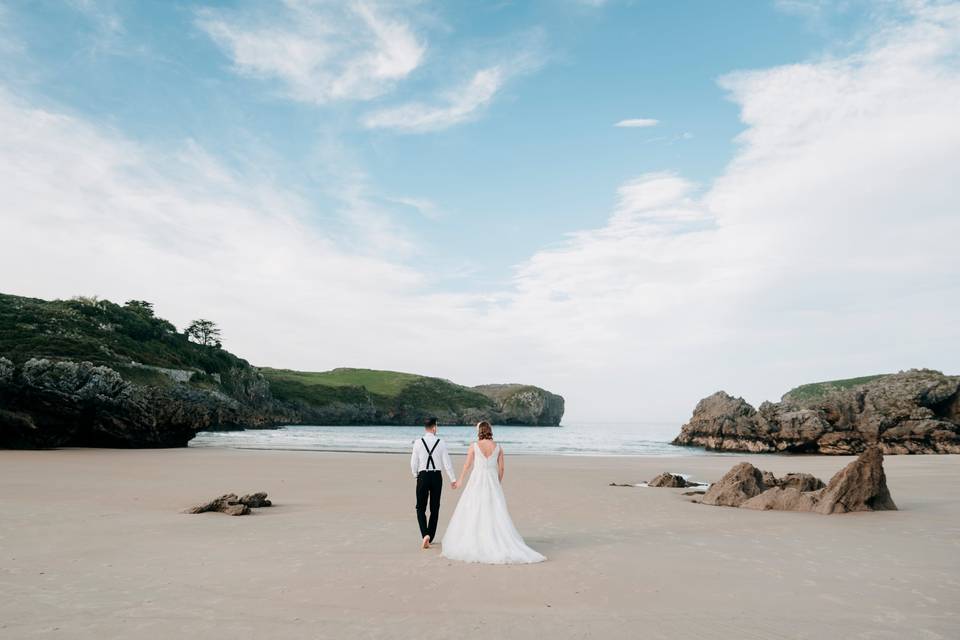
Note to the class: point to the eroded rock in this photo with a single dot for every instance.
(670, 480)
(860, 486)
(916, 411)
(741, 483)
(232, 505)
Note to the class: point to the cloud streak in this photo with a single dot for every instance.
(464, 102)
(319, 52)
(637, 123)
(452, 107)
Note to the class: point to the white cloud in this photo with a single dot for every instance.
(94, 213)
(320, 51)
(827, 248)
(466, 101)
(453, 107)
(637, 122)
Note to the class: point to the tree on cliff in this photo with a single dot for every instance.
(140, 306)
(204, 332)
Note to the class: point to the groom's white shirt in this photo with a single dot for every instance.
(418, 461)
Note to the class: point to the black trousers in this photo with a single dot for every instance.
(429, 486)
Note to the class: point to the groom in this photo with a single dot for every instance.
(427, 452)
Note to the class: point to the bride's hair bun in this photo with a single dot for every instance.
(484, 431)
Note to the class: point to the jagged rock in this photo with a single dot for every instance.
(916, 411)
(800, 482)
(52, 403)
(521, 404)
(232, 505)
(256, 500)
(741, 483)
(781, 499)
(228, 503)
(860, 486)
(670, 480)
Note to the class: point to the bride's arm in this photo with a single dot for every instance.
(467, 464)
(500, 465)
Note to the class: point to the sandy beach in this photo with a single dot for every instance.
(93, 544)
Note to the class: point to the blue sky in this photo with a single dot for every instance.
(441, 187)
(541, 160)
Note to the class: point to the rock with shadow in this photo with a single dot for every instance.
(860, 486)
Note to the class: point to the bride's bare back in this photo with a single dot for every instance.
(486, 447)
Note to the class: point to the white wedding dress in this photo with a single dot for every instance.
(481, 529)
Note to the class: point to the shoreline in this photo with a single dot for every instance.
(93, 543)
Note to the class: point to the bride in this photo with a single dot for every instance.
(481, 529)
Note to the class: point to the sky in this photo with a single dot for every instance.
(631, 203)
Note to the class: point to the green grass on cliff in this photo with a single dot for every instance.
(815, 390)
(383, 383)
(388, 390)
(102, 332)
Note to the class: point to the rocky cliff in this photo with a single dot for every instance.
(916, 411)
(50, 403)
(93, 373)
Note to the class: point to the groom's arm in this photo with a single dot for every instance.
(447, 464)
(413, 460)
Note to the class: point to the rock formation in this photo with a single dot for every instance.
(51, 403)
(672, 481)
(860, 486)
(916, 411)
(522, 404)
(91, 373)
(741, 483)
(231, 505)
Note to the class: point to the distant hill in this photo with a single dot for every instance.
(390, 397)
(89, 372)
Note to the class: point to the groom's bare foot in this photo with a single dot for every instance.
(426, 542)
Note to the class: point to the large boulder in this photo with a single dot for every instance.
(721, 421)
(916, 411)
(670, 480)
(860, 486)
(781, 499)
(741, 483)
(800, 482)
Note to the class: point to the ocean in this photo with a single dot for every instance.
(575, 439)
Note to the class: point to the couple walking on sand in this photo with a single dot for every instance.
(480, 529)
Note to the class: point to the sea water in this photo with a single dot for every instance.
(592, 439)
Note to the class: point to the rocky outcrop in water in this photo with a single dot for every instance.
(860, 486)
(916, 411)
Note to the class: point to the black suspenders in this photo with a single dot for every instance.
(430, 463)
